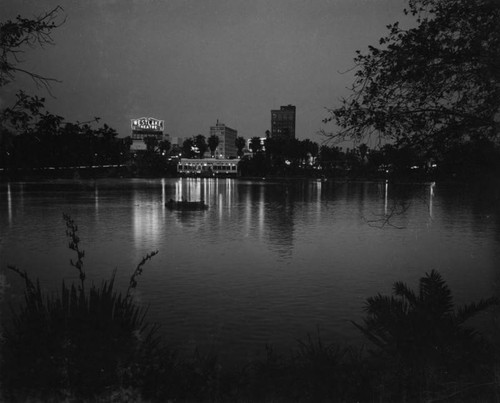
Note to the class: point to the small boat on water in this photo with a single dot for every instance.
(186, 205)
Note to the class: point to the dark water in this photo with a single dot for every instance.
(269, 262)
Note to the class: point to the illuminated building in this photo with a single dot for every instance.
(207, 167)
(145, 127)
(227, 140)
(283, 122)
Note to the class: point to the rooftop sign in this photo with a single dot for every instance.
(147, 124)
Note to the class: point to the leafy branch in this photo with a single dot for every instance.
(435, 82)
(24, 32)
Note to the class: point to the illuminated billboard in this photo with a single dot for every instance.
(149, 124)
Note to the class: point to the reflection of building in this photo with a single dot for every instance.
(283, 122)
(208, 167)
(146, 222)
(279, 222)
(227, 140)
(145, 127)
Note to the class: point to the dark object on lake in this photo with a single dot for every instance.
(186, 205)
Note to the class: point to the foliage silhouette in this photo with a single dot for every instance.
(240, 144)
(213, 142)
(433, 85)
(91, 343)
(201, 144)
(422, 338)
(81, 342)
(15, 35)
(31, 137)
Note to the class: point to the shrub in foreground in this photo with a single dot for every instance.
(83, 341)
(92, 343)
(424, 349)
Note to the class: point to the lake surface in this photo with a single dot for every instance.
(268, 262)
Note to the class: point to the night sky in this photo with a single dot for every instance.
(193, 62)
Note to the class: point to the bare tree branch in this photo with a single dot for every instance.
(17, 34)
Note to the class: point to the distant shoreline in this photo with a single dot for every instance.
(124, 172)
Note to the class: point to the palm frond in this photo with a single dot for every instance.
(380, 342)
(465, 312)
(400, 289)
(382, 306)
(435, 295)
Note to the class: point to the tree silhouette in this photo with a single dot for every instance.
(363, 149)
(432, 85)
(201, 144)
(30, 136)
(255, 144)
(421, 336)
(151, 143)
(187, 148)
(16, 35)
(213, 142)
(240, 145)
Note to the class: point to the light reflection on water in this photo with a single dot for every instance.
(267, 262)
(9, 203)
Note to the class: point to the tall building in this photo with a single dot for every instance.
(227, 140)
(283, 122)
(145, 127)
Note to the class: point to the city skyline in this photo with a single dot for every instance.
(189, 63)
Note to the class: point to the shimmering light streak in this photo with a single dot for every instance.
(163, 201)
(9, 203)
(147, 225)
(431, 198)
(96, 197)
(318, 197)
(163, 196)
(229, 193)
(386, 193)
(260, 218)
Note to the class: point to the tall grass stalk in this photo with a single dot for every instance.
(82, 342)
